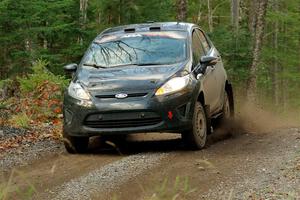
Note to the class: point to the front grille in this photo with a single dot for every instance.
(122, 120)
(123, 123)
(112, 96)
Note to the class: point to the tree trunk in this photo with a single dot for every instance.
(253, 8)
(83, 16)
(120, 11)
(235, 5)
(276, 69)
(259, 32)
(45, 41)
(285, 81)
(99, 18)
(182, 10)
(83, 11)
(199, 13)
(209, 16)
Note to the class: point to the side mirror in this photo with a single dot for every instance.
(70, 68)
(208, 60)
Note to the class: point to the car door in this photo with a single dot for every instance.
(207, 78)
(217, 72)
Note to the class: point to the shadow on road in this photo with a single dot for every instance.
(152, 142)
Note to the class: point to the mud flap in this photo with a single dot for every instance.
(208, 119)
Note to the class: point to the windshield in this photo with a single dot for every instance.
(148, 48)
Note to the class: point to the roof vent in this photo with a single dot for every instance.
(129, 30)
(155, 28)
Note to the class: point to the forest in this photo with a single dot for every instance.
(259, 40)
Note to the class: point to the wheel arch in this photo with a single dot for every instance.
(201, 98)
(229, 91)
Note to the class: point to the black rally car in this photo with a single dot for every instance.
(155, 77)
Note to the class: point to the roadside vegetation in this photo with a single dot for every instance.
(180, 189)
(10, 191)
(33, 103)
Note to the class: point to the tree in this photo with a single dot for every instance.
(235, 4)
(258, 39)
(182, 10)
(209, 16)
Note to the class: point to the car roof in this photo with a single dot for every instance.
(151, 26)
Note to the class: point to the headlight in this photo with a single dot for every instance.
(76, 91)
(173, 85)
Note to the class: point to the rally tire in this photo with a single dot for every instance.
(196, 138)
(76, 145)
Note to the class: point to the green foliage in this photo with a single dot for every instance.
(5, 82)
(26, 25)
(40, 75)
(280, 64)
(180, 189)
(21, 120)
(40, 97)
(235, 50)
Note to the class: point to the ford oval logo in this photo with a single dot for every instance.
(121, 96)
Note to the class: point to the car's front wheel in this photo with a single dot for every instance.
(196, 138)
(75, 145)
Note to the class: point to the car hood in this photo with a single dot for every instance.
(126, 79)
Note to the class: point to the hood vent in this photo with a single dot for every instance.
(155, 28)
(129, 30)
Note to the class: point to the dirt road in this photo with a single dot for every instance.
(246, 164)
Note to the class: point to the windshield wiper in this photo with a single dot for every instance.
(123, 65)
(94, 65)
(145, 64)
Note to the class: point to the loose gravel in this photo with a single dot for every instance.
(7, 132)
(108, 178)
(273, 177)
(29, 153)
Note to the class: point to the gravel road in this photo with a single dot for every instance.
(108, 178)
(243, 165)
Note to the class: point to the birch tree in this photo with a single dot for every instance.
(258, 39)
(83, 16)
(209, 16)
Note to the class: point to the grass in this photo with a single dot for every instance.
(21, 120)
(8, 190)
(180, 189)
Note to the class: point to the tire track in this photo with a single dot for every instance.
(107, 178)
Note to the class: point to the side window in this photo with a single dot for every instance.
(197, 49)
(204, 41)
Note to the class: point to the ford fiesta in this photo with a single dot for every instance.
(155, 77)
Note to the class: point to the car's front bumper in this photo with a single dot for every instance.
(131, 115)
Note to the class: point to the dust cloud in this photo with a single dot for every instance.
(256, 119)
